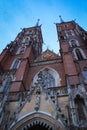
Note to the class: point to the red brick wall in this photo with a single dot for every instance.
(56, 66)
(71, 26)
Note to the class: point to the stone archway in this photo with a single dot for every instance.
(38, 120)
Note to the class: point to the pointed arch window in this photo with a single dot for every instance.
(73, 43)
(49, 78)
(15, 64)
(79, 54)
(21, 50)
(85, 72)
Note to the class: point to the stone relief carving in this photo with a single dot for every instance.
(40, 85)
(37, 101)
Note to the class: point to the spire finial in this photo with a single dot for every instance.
(37, 23)
(61, 20)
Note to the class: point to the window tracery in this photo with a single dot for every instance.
(49, 77)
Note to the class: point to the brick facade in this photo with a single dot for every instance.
(45, 88)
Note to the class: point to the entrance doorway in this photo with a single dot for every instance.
(38, 127)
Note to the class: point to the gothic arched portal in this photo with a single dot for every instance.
(38, 120)
(38, 127)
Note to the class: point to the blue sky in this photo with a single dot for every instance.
(16, 14)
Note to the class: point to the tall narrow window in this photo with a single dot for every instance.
(7, 85)
(79, 55)
(15, 64)
(85, 72)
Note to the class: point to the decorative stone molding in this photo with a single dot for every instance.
(37, 103)
(44, 63)
(38, 118)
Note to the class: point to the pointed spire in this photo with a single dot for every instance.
(37, 23)
(61, 20)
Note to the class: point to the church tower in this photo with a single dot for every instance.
(44, 90)
(73, 49)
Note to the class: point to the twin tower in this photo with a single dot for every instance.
(42, 90)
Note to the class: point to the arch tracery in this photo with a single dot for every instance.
(49, 76)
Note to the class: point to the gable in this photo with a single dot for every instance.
(47, 55)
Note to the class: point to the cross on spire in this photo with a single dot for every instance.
(37, 23)
(61, 20)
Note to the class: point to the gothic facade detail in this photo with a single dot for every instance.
(44, 90)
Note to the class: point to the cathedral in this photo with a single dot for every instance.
(41, 89)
